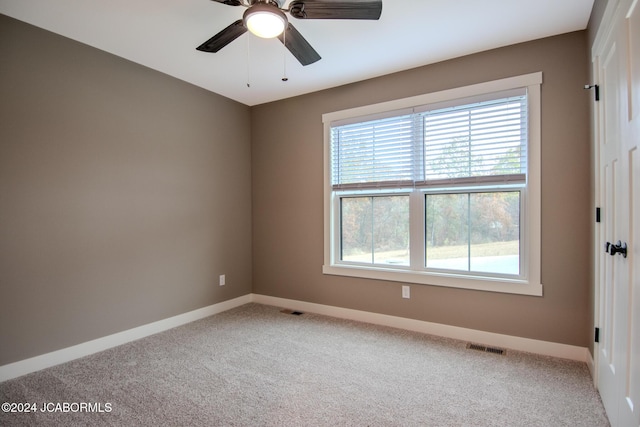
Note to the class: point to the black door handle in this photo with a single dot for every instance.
(618, 248)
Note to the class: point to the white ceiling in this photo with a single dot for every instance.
(163, 35)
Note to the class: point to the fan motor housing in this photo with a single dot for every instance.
(276, 3)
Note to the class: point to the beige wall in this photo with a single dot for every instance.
(597, 13)
(287, 174)
(124, 193)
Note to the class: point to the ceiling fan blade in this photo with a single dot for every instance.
(333, 9)
(230, 2)
(298, 46)
(224, 37)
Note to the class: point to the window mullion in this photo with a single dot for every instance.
(417, 236)
(469, 232)
(373, 231)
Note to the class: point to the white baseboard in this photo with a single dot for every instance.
(592, 363)
(23, 367)
(480, 337)
(57, 357)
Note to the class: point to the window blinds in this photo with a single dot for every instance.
(472, 142)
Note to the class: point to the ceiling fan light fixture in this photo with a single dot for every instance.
(265, 21)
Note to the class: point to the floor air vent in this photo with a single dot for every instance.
(287, 311)
(479, 347)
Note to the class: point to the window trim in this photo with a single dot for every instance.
(531, 283)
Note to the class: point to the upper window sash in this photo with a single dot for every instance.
(468, 142)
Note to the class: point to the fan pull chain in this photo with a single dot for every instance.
(284, 56)
(248, 61)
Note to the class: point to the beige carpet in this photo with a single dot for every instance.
(256, 366)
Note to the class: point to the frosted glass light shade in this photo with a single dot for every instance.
(265, 21)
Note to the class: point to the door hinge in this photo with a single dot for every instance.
(597, 214)
(597, 90)
(597, 335)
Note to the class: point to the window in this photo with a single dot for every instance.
(438, 189)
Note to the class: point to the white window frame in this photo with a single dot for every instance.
(529, 282)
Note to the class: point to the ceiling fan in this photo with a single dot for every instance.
(267, 19)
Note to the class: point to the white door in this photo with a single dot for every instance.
(618, 354)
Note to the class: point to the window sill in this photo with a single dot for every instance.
(509, 286)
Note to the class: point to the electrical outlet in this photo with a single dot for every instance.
(406, 292)
(222, 280)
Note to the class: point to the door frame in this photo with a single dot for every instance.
(604, 32)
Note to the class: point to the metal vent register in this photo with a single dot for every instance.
(295, 313)
(480, 347)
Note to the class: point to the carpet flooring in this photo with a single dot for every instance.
(257, 366)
